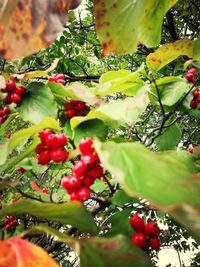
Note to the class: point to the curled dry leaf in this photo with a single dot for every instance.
(27, 26)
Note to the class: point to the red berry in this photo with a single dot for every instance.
(194, 104)
(20, 90)
(14, 200)
(1, 113)
(16, 98)
(51, 79)
(2, 119)
(15, 223)
(83, 194)
(52, 141)
(61, 139)
(79, 168)
(8, 136)
(60, 76)
(45, 191)
(59, 155)
(193, 71)
(6, 111)
(96, 172)
(11, 218)
(86, 146)
(191, 150)
(44, 157)
(88, 180)
(154, 243)
(152, 229)
(73, 196)
(87, 108)
(137, 223)
(61, 81)
(71, 183)
(189, 76)
(80, 106)
(139, 239)
(7, 99)
(68, 106)
(43, 135)
(39, 148)
(6, 220)
(196, 94)
(20, 169)
(193, 80)
(71, 113)
(7, 227)
(10, 86)
(90, 160)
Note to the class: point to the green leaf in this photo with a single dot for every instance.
(74, 91)
(170, 138)
(171, 90)
(119, 81)
(112, 252)
(72, 213)
(38, 104)
(121, 26)
(91, 128)
(147, 174)
(116, 113)
(121, 198)
(169, 52)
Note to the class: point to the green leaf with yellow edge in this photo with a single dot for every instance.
(196, 49)
(72, 213)
(38, 103)
(74, 91)
(119, 81)
(169, 52)
(112, 252)
(121, 26)
(144, 173)
(20, 253)
(117, 113)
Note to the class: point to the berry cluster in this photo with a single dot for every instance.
(14, 93)
(4, 114)
(76, 108)
(59, 78)
(52, 147)
(196, 99)
(85, 172)
(190, 75)
(146, 235)
(10, 222)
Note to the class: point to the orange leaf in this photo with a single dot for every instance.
(16, 252)
(27, 26)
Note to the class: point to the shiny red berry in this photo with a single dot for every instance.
(7, 227)
(45, 191)
(20, 169)
(194, 104)
(90, 160)
(139, 239)
(60, 76)
(61, 81)
(196, 94)
(137, 223)
(154, 244)
(6, 111)
(193, 71)
(10, 86)
(43, 135)
(71, 113)
(88, 180)
(16, 98)
(20, 90)
(39, 148)
(83, 194)
(79, 168)
(8, 136)
(152, 229)
(71, 183)
(68, 106)
(59, 155)
(2, 119)
(96, 172)
(189, 76)
(86, 146)
(44, 157)
(73, 196)
(61, 139)
(80, 106)
(52, 141)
